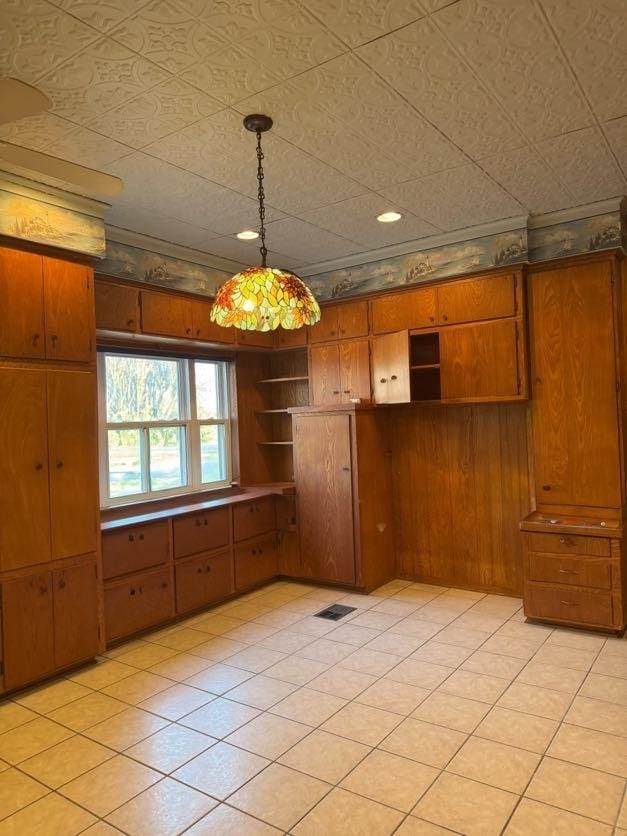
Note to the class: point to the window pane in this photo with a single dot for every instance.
(207, 390)
(212, 453)
(125, 472)
(167, 458)
(142, 389)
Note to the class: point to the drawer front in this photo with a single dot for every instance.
(253, 518)
(137, 604)
(201, 532)
(132, 549)
(255, 562)
(576, 606)
(569, 544)
(595, 572)
(203, 580)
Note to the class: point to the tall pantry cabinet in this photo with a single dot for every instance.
(49, 519)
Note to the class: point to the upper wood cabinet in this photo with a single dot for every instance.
(204, 329)
(391, 379)
(47, 308)
(117, 307)
(404, 311)
(574, 386)
(341, 322)
(291, 339)
(22, 330)
(259, 339)
(168, 316)
(473, 300)
(340, 372)
(325, 374)
(24, 492)
(480, 361)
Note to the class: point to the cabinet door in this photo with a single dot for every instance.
(353, 320)
(22, 307)
(479, 361)
(354, 370)
(407, 310)
(476, 299)
(138, 603)
(203, 580)
(390, 368)
(24, 493)
(169, 316)
(259, 339)
(574, 399)
(131, 549)
(325, 374)
(197, 533)
(255, 561)
(27, 629)
(75, 598)
(253, 518)
(205, 329)
(69, 309)
(323, 473)
(73, 456)
(329, 326)
(117, 307)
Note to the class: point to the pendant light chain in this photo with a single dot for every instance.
(261, 196)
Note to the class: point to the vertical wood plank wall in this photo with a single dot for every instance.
(462, 485)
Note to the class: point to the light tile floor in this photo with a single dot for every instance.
(425, 711)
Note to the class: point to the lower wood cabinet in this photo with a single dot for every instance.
(201, 532)
(256, 561)
(202, 580)
(49, 621)
(133, 549)
(137, 603)
(253, 518)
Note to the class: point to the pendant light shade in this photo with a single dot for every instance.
(264, 298)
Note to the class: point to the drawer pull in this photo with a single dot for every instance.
(569, 572)
(566, 541)
(141, 536)
(39, 466)
(205, 522)
(393, 377)
(131, 591)
(383, 380)
(251, 509)
(546, 487)
(568, 603)
(198, 522)
(131, 537)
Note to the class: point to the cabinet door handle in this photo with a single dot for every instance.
(35, 339)
(198, 522)
(251, 509)
(62, 583)
(54, 339)
(444, 317)
(59, 465)
(43, 590)
(188, 330)
(431, 319)
(383, 380)
(566, 541)
(205, 522)
(130, 322)
(141, 536)
(568, 603)
(393, 377)
(197, 332)
(347, 391)
(569, 572)
(164, 584)
(131, 537)
(336, 391)
(546, 487)
(346, 468)
(131, 591)
(207, 569)
(199, 570)
(39, 466)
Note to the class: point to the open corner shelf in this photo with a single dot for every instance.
(284, 379)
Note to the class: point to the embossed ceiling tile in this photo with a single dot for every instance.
(35, 36)
(101, 14)
(582, 161)
(230, 73)
(359, 22)
(455, 199)
(307, 243)
(148, 222)
(511, 48)
(423, 67)
(356, 219)
(525, 176)
(99, 79)
(593, 34)
(431, 6)
(248, 252)
(88, 148)
(616, 133)
(233, 19)
(292, 44)
(156, 113)
(167, 34)
(353, 93)
(36, 132)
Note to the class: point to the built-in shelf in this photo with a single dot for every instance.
(283, 379)
(276, 443)
(271, 411)
(423, 366)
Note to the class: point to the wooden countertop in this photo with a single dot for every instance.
(244, 495)
(568, 524)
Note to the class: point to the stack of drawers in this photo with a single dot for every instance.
(573, 579)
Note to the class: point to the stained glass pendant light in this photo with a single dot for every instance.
(264, 298)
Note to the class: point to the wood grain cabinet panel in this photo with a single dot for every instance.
(404, 311)
(344, 321)
(24, 492)
(595, 572)
(73, 456)
(325, 374)
(476, 299)
(22, 330)
(69, 310)
(257, 339)
(574, 397)
(328, 328)
(354, 360)
(132, 549)
(27, 629)
(568, 605)
(253, 518)
(391, 382)
(479, 361)
(204, 329)
(75, 599)
(195, 533)
(323, 472)
(169, 316)
(117, 307)
(291, 339)
(203, 580)
(568, 544)
(137, 603)
(256, 561)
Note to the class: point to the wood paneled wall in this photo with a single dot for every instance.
(462, 485)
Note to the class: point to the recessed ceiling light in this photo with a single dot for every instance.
(389, 217)
(247, 234)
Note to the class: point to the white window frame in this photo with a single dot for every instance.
(190, 422)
